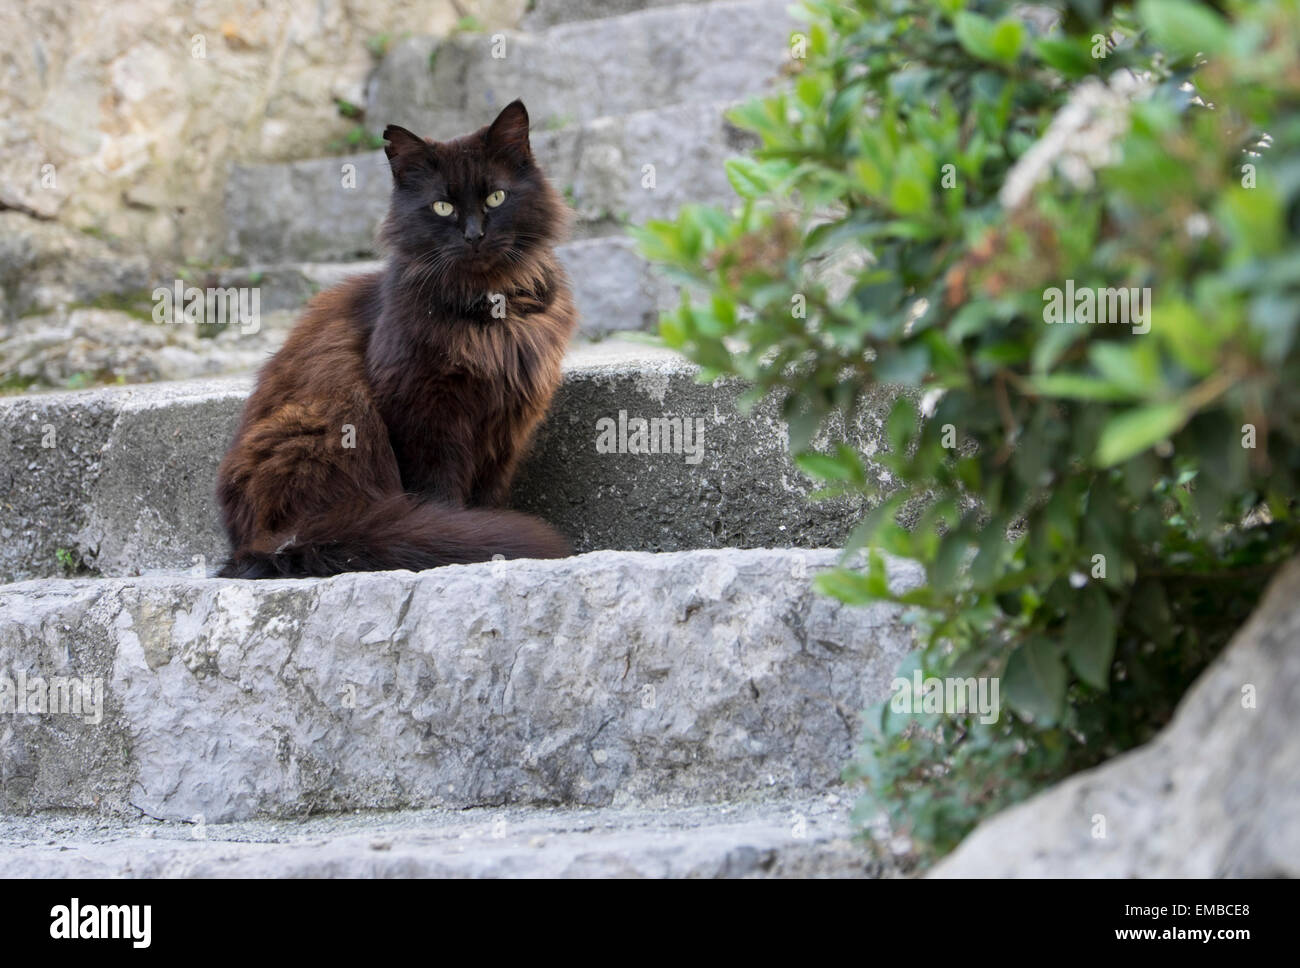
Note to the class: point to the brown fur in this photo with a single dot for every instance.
(442, 396)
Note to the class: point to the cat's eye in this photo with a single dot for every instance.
(496, 198)
(443, 208)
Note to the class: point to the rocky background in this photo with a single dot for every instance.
(119, 123)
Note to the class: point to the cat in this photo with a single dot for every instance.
(385, 433)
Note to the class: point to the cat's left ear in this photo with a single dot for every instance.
(508, 134)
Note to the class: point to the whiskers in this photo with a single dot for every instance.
(457, 277)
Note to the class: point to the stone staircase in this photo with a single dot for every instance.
(628, 116)
(675, 700)
(123, 477)
(792, 839)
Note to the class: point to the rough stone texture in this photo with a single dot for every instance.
(111, 120)
(127, 485)
(548, 13)
(36, 256)
(611, 678)
(745, 492)
(795, 838)
(126, 465)
(267, 220)
(81, 347)
(581, 71)
(1214, 795)
(288, 285)
(598, 164)
(602, 164)
(613, 285)
(96, 208)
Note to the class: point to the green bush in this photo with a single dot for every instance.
(1102, 503)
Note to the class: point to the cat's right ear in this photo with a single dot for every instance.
(408, 154)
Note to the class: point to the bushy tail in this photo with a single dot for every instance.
(399, 533)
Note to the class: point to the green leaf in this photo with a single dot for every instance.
(909, 195)
(801, 425)
(1133, 431)
(877, 575)
(1076, 386)
(975, 33)
(943, 570)
(1007, 40)
(1184, 26)
(879, 516)
(850, 587)
(1053, 345)
(1034, 681)
(900, 425)
(1069, 57)
(1090, 637)
(905, 365)
(993, 549)
(746, 177)
(1132, 364)
(1148, 611)
(841, 466)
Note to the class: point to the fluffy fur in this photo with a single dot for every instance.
(437, 370)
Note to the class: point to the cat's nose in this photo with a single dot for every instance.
(473, 229)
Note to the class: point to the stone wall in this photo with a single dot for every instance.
(119, 120)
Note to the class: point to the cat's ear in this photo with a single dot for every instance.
(508, 134)
(408, 154)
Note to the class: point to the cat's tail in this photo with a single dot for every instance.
(399, 533)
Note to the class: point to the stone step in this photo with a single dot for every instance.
(600, 166)
(443, 87)
(793, 838)
(548, 13)
(613, 286)
(607, 679)
(123, 478)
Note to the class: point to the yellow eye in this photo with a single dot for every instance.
(496, 198)
(443, 208)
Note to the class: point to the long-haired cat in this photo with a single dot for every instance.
(385, 433)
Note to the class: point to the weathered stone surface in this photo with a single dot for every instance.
(581, 71)
(288, 285)
(644, 165)
(548, 13)
(599, 165)
(129, 476)
(269, 217)
(36, 266)
(744, 492)
(792, 838)
(610, 678)
(123, 117)
(127, 484)
(82, 347)
(1214, 795)
(613, 286)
